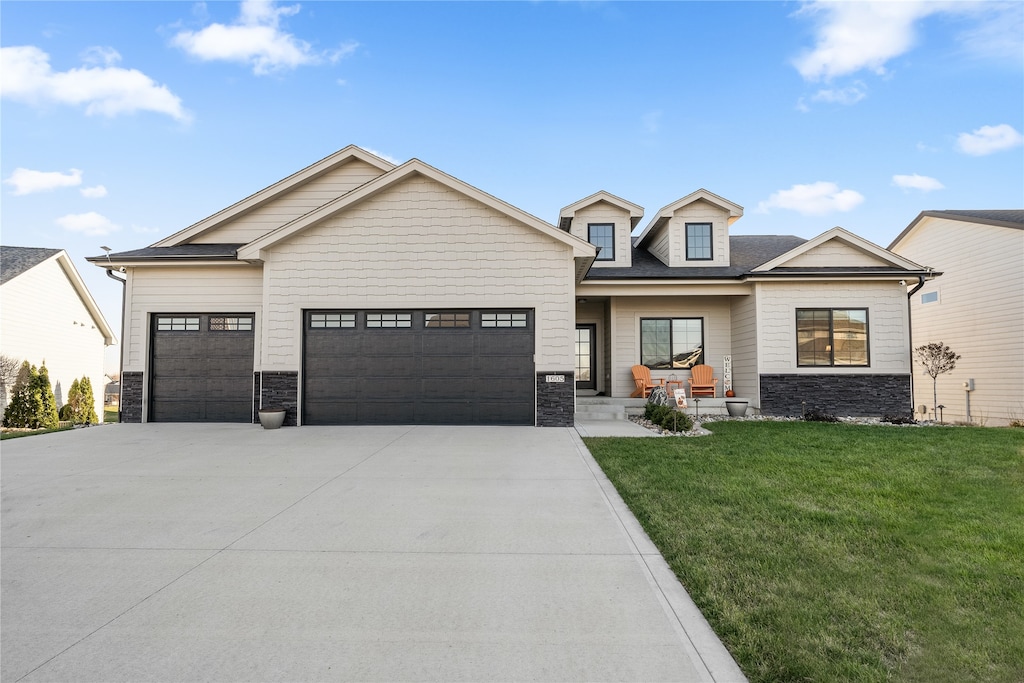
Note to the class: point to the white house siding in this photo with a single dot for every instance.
(186, 289)
(700, 211)
(835, 253)
(603, 212)
(661, 246)
(744, 347)
(887, 323)
(44, 319)
(979, 314)
(301, 200)
(626, 313)
(418, 245)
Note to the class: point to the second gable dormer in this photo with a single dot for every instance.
(692, 231)
(605, 221)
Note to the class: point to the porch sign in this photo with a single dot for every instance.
(727, 372)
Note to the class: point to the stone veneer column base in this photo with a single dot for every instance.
(556, 401)
(131, 397)
(281, 390)
(840, 395)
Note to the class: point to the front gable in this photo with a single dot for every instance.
(837, 250)
(666, 236)
(285, 200)
(429, 198)
(606, 220)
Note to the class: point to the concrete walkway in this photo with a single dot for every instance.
(228, 553)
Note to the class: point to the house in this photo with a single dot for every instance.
(112, 394)
(976, 308)
(358, 291)
(48, 315)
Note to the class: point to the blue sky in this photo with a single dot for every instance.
(123, 122)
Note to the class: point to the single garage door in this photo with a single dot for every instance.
(201, 368)
(418, 367)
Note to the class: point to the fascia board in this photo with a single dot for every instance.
(78, 284)
(636, 212)
(666, 212)
(252, 251)
(846, 236)
(253, 201)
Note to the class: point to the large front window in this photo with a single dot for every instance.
(671, 343)
(602, 235)
(831, 336)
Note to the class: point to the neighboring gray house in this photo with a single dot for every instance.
(976, 308)
(357, 291)
(47, 314)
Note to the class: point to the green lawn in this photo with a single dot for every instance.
(110, 415)
(825, 552)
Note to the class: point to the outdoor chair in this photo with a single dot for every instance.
(643, 381)
(703, 381)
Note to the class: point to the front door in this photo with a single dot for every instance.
(586, 356)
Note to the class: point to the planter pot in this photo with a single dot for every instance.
(272, 418)
(736, 408)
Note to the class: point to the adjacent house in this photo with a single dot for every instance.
(360, 292)
(976, 308)
(48, 315)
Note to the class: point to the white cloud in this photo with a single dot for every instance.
(814, 200)
(256, 38)
(917, 182)
(91, 224)
(26, 181)
(859, 35)
(94, 192)
(104, 90)
(382, 155)
(846, 96)
(989, 139)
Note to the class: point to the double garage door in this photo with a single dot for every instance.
(418, 367)
(359, 367)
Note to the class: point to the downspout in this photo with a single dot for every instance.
(120, 367)
(921, 279)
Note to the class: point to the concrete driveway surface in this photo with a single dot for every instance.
(231, 553)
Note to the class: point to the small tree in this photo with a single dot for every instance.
(937, 359)
(18, 410)
(47, 417)
(9, 369)
(86, 402)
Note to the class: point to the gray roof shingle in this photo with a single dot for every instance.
(16, 260)
(746, 252)
(180, 252)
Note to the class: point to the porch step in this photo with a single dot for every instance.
(607, 408)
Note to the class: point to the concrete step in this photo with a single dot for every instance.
(609, 411)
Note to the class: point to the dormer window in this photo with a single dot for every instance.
(698, 241)
(602, 235)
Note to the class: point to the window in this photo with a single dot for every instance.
(602, 235)
(182, 324)
(332, 320)
(929, 297)
(446, 319)
(698, 241)
(671, 343)
(831, 336)
(502, 319)
(231, 323)
(389, 319)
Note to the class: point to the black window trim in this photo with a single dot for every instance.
(699, 360)
(831, 336)
(711, 242)
(603, 254)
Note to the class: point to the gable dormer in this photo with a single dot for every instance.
(605, 221)
(692, 231)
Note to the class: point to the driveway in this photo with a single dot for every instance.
(227, 553)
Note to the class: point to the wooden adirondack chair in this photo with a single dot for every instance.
(703, 381)
(644, 383)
